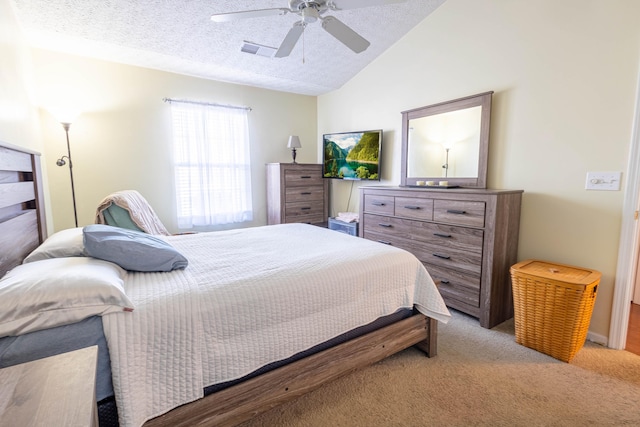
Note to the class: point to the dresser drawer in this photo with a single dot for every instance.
(307, 219)
(379, 204)
(302, 177)
(303, 194)
(454, 257)
(459, 212)
(303, 208)
(414, 208)
(382, 237)
(438, 235)
(456, 285)
(449, 258)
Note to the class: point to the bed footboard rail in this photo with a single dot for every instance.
(240, 402)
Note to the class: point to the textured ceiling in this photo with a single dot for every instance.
(179, 36)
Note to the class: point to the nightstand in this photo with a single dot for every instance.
(54, 391)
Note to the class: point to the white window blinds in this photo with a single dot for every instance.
(211, 164)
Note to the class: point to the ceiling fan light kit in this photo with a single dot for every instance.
(310, 15)
(310, 12)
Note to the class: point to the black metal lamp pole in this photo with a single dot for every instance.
(61, 162)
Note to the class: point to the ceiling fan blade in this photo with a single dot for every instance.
(355, 4)
(344, 34)
(234, 16)
(290, 40)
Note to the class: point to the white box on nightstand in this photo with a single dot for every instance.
(350, 228)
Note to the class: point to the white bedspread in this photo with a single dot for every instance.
(248, 298)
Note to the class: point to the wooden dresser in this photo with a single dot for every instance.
(296, 192)
(466, 238)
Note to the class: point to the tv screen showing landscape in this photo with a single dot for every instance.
(352, 155)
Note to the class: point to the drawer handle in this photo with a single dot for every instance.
(448, 236)
(444, 282)
(412, 207)
(456, 211)
(305, 193)
(384, 242)
(305, 209)
(441, 256)
(381, 224)
(305, 176)
(377, 204)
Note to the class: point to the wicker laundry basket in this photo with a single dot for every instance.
(552, 306)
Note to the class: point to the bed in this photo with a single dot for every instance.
(258, 317)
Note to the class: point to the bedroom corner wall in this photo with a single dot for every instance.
(19, 119)
(564, 75)
(122, 139)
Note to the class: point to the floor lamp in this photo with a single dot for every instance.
(61, 162)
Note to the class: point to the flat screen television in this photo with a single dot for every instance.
(352, 155)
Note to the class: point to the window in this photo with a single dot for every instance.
(211, 164)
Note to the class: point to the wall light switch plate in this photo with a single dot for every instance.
(604, 181)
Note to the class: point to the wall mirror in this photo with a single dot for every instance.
(447, 142)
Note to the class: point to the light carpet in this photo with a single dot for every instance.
(480, 377)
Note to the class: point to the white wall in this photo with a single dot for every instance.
(19, 119)
(564, 75)
(122, 139)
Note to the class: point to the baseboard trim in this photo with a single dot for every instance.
(597, 338)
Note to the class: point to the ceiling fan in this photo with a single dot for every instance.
(310, 12)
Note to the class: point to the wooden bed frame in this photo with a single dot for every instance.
(22, 222)
(239, 403)
(22, 228)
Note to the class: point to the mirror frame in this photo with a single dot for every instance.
(481, 99)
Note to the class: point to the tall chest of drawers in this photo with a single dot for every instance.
(466, 238)
(296, 192)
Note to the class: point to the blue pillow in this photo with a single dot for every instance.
(130, 249)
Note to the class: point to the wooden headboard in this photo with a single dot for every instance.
(22, 219)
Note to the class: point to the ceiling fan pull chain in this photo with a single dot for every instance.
(304, 27)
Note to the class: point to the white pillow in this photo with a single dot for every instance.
(59, 291)
(64, 243)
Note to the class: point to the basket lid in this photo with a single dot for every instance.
(561, 272)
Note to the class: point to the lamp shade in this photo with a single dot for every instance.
(64, 115)
(294, 142)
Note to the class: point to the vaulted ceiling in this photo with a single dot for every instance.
(179, 36)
